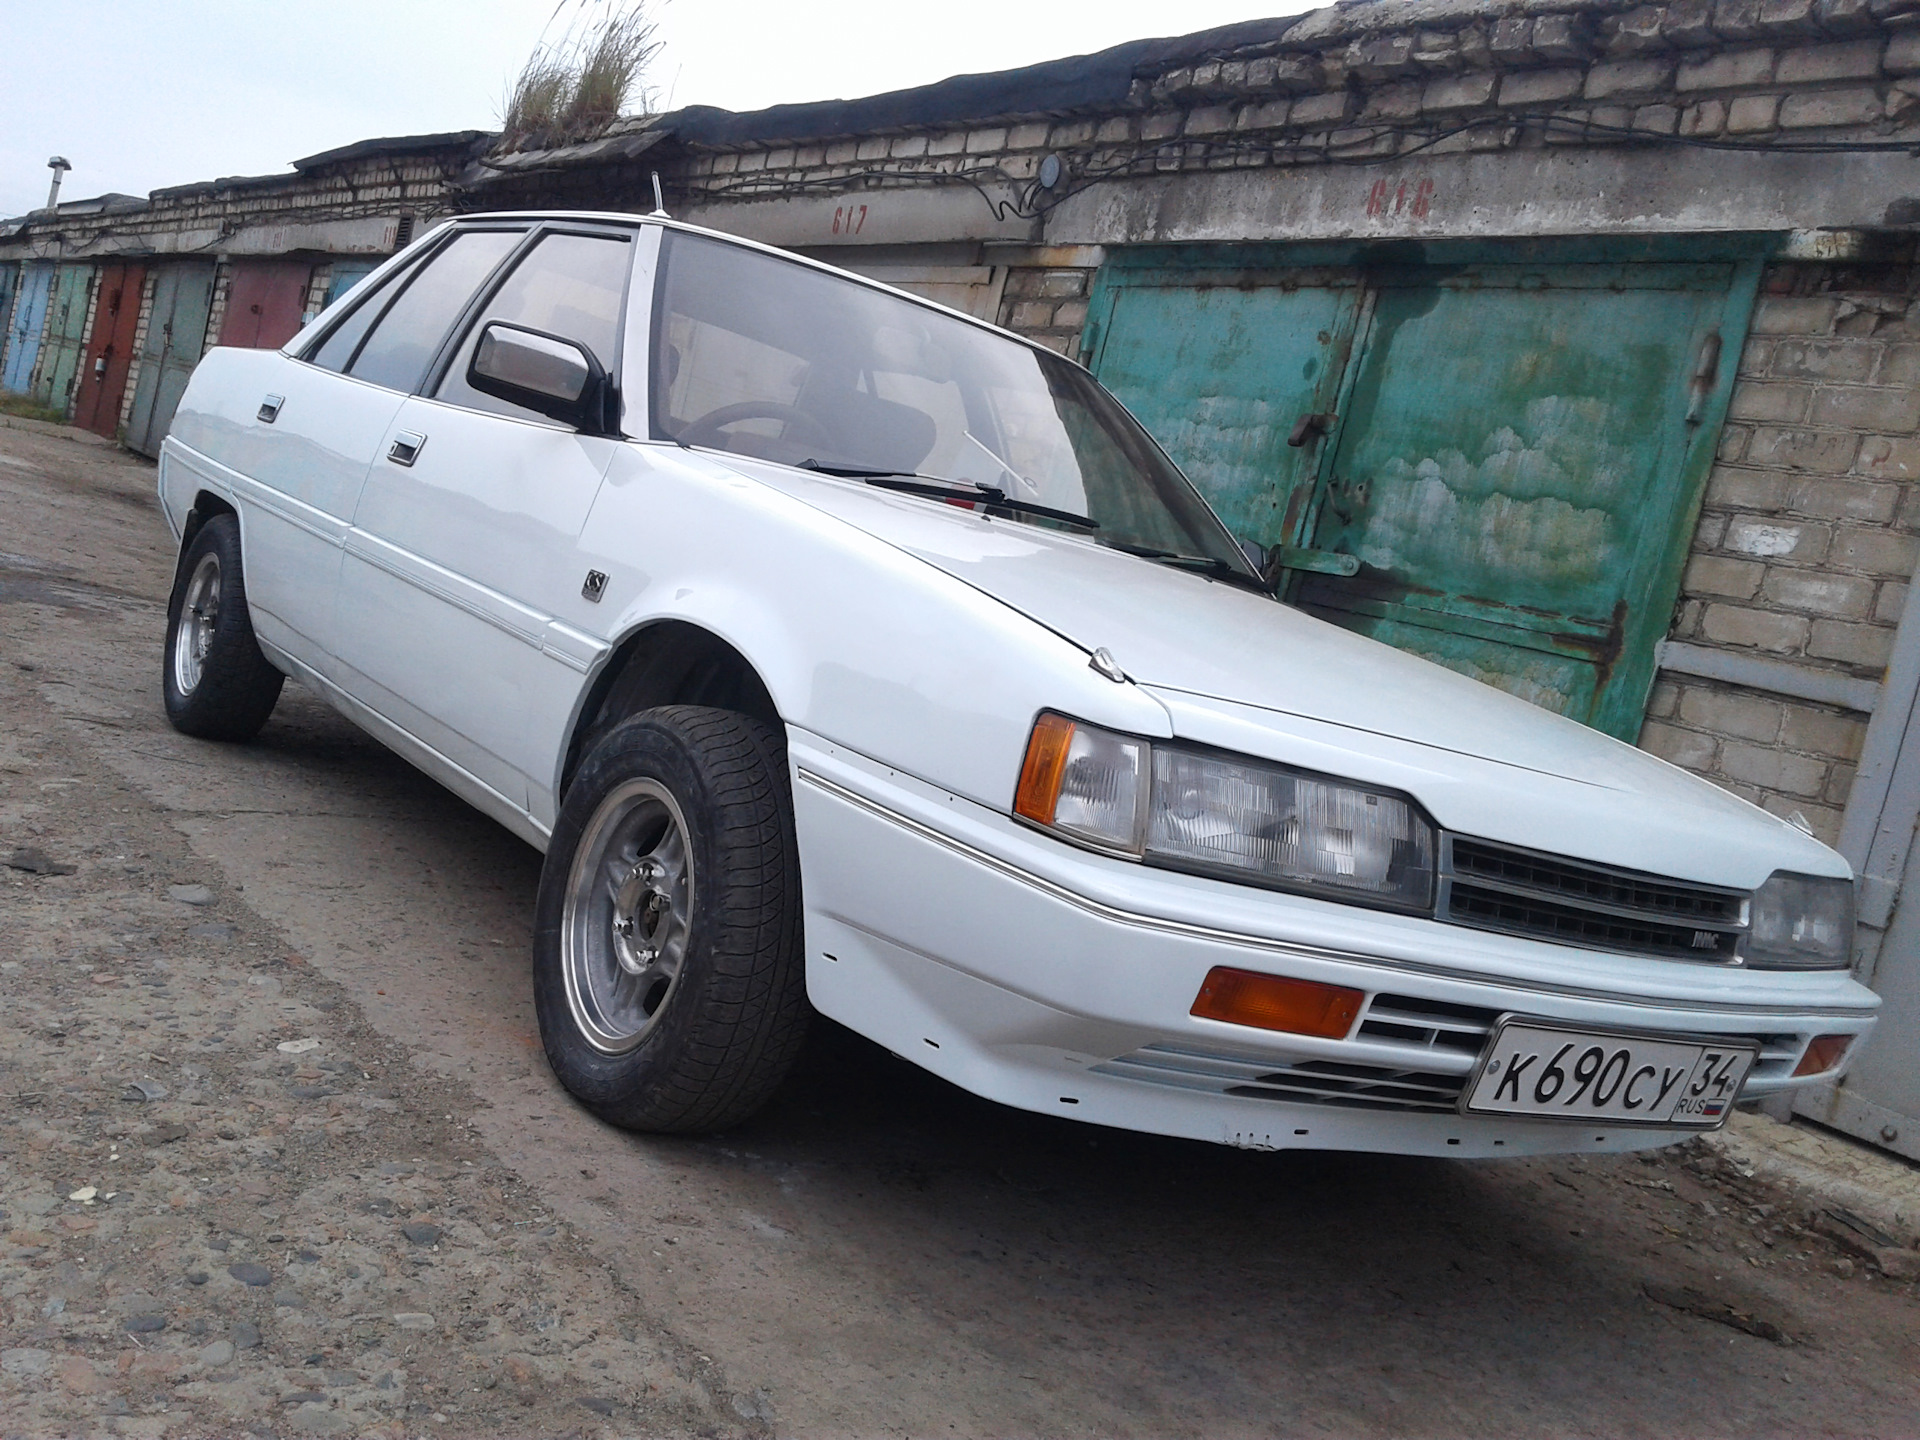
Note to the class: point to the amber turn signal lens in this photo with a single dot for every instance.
(1822, 1055)
(1273, 1002)
(1046, 763)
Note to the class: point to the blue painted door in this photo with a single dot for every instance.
(9, 282)
(24, 326)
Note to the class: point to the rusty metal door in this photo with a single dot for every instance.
(65, 339)
(103, 375)
(1494, 465)
(24, 326)
(176, 333)
(266, 300)
(1517, 469)
(1220, 365)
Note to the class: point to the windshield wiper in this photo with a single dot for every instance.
(932, 486)
(1208, 565)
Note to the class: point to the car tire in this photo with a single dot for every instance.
(669, 972)
(218, 686)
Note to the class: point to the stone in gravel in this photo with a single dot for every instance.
(40, 1204)
(146, 1324)
(394, 1167)
(219, 1242)
(596, 1404)
(196, 1277)
(145, 1090)
(36, 861)
(165, 1134)
(190, 894)
(25, 1363)
(248, 1273)
(311, 1092)
(421, 1233)
(290, 1299)
(298, 1047)
(1898, 1264)
(245, 1336)
(413, 1320)
(212, 931)
(219, 1353)
(315, 1418)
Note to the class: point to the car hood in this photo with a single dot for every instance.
(1213, 651)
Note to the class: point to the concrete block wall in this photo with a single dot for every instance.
(1808, 536)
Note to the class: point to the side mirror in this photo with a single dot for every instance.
(545, 374)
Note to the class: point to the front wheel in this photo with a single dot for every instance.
(217, 684)
(669, 975)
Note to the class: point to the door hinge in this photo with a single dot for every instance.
(1321, 562)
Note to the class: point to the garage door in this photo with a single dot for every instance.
(266, 301)
(60, 350)
(1498, 465)
(176, 333)
(23, 327)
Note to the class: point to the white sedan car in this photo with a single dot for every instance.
(846, 654)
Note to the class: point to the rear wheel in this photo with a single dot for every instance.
(669, 976)
(218, 686)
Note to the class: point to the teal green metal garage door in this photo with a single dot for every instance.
(1507, 459)
(66, 335)
(176, 333)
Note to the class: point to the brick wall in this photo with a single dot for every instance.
(1809, 534)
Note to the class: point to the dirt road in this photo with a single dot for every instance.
(407, 1228)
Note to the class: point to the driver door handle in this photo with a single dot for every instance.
(406, 447)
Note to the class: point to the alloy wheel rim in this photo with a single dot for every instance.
(199, 617)
(628, 916)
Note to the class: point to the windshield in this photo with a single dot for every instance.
(764, 357)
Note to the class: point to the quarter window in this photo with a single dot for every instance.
(567, 285)
(406, 336)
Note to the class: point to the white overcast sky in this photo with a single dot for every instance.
(140, 94)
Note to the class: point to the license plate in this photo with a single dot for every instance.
(1622, 1079)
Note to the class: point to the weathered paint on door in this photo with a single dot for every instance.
(65, 339)
(176, 333)
(103, 374)
(1512, 459)
(265, 302)
(24, 326)
(9, 282)
(1220, 367)
(1518, 468)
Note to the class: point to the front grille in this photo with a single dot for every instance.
(1303, 1082)
(1430, 1024)
(1573, 902)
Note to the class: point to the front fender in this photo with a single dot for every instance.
(855, 640)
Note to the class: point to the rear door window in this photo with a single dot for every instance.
(572, 286)
(408, 333)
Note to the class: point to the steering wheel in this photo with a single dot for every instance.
(706, 430)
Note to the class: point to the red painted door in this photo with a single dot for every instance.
(103, 373)
(265, 300)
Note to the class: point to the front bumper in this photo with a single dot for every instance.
(1040, 976)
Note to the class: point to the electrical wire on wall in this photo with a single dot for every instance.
(1359, 146)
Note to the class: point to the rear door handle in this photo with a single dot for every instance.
(405, 448)
(270, 409)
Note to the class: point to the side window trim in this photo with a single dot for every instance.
(381, 294)
(456, 338)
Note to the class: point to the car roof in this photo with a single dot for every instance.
(632, 220)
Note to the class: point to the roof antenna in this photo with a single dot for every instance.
(659, 201)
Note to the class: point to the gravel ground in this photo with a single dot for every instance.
(406, 1228)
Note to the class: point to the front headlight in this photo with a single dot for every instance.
(1800, 922)
(1226, 815)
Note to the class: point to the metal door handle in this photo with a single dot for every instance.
(270, 409)
(405, 448)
